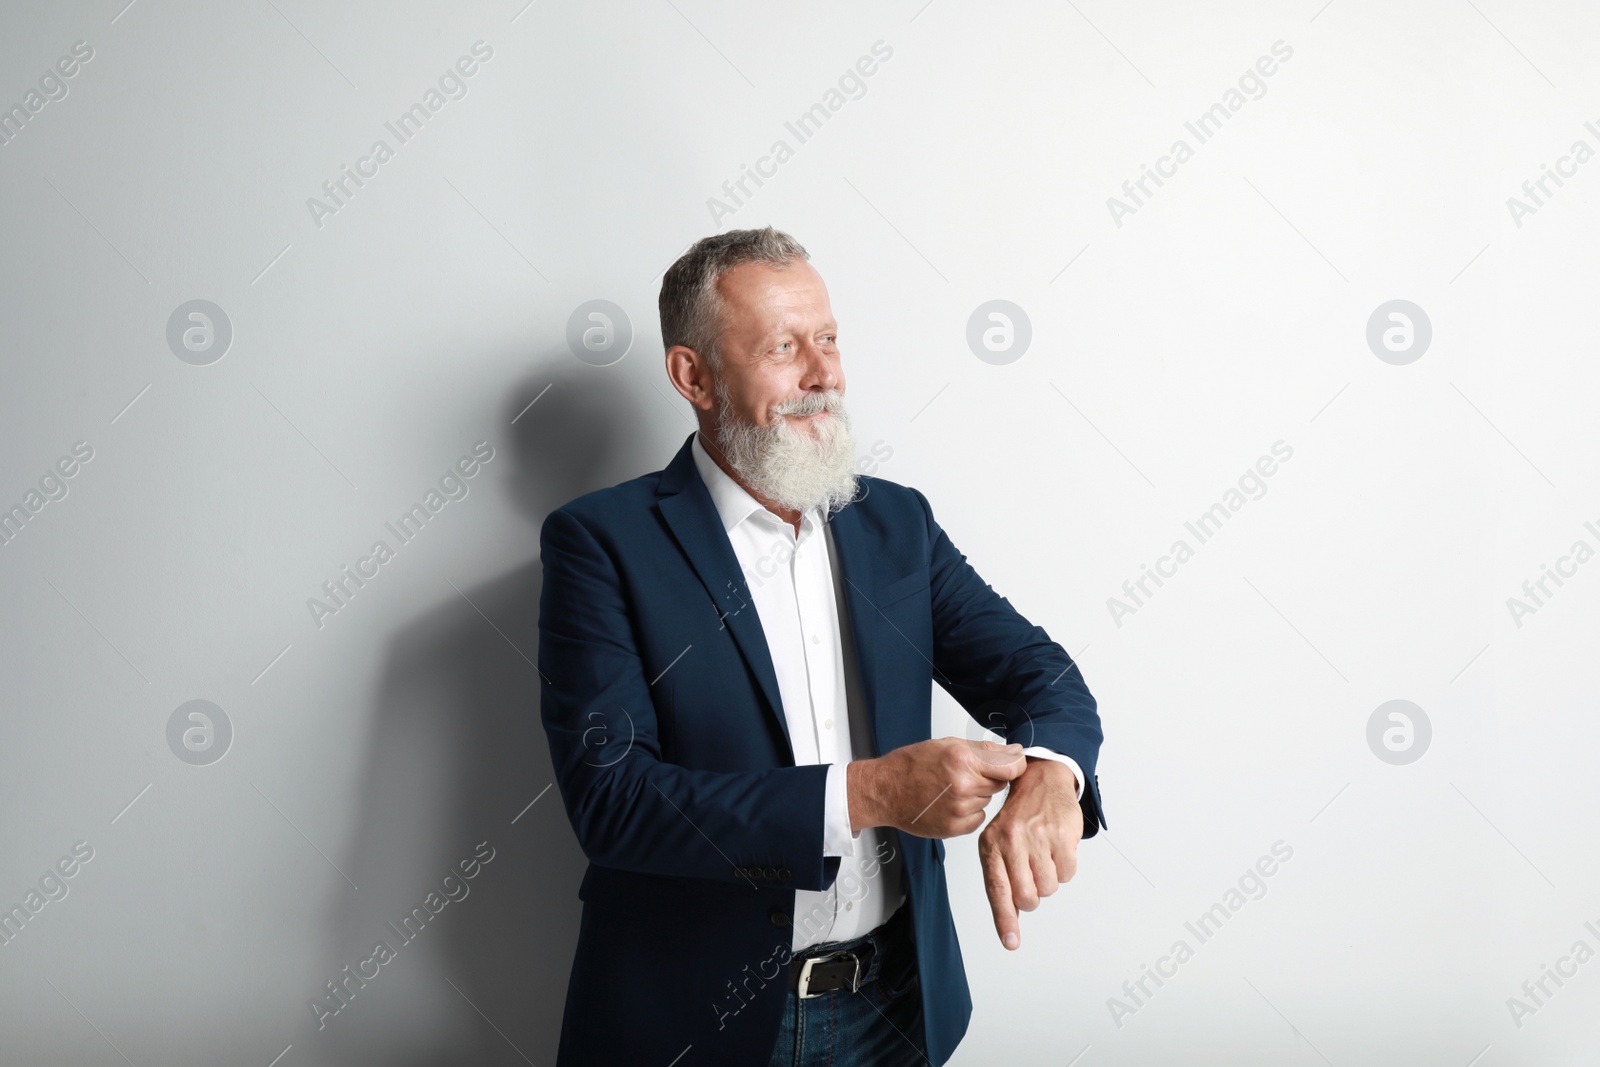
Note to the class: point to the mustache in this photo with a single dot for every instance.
(812, 404)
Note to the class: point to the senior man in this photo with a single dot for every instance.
(738, 654)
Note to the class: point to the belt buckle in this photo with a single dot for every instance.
(803, 986)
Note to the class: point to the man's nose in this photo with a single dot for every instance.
(821, 373)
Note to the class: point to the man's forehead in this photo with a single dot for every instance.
(777, 297)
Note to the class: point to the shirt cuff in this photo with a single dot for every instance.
(1045, 753)
(837, 839)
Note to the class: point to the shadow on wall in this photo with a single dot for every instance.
(457, 752)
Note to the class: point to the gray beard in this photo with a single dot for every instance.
(797, 469)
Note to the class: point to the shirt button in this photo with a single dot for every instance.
(847, 905)
(828, 723)
(815, 640)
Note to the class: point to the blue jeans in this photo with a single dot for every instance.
(880, 1025)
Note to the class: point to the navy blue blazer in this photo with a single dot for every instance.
(673, 759)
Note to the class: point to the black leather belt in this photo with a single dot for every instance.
(812, 976)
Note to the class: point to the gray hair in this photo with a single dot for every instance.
(690, 305)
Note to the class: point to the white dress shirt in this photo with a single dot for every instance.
(796, 591)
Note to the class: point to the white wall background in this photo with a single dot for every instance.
(1168, 353)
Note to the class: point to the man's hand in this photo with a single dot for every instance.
(935, 788)
(1031, 846)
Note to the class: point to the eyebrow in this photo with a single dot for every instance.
(775, 333)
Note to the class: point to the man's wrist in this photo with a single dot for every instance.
(1043, 753)
(1039, 766)
(860, 791)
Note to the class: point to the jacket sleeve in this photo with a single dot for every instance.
(1006, 672)
(631, 810)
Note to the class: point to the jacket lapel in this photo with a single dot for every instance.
(686, 505)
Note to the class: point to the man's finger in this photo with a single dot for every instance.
(998, 885)
(967, 807)
(1045, 878)
(1066, 861)
(993, 751)
(1019, 869)
(990, 786)
(1001, 763)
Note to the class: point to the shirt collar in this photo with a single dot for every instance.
(733, 502)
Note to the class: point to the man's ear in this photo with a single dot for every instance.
(690, 374)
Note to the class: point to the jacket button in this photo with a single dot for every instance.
(783, 872)
(769, 873)
(779, 919)
(738, 872)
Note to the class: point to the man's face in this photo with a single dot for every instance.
(778, 416)
(779, 345)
